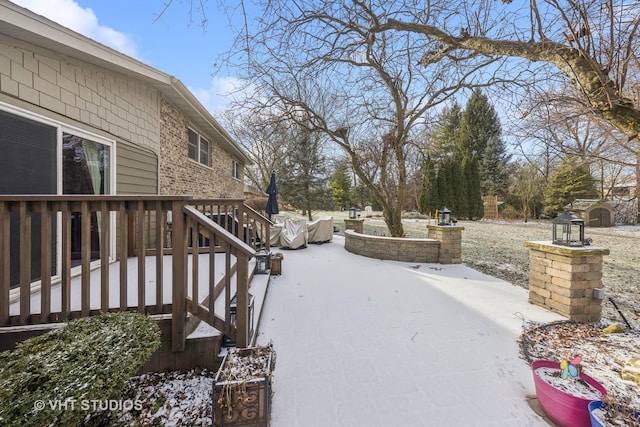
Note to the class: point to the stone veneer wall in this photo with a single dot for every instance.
(392, 248)
(179, 174)
(356, 225)
(450, 238)
(91, 97)
(443, 246)
(563, 278)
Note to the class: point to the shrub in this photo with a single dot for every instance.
(510, 212)
(56, 378)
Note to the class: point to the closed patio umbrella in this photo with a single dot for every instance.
(272, 191)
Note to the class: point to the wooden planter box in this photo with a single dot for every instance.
(242, 388)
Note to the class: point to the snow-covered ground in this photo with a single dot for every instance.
(366, 342)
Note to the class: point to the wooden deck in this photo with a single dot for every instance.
(179, 251)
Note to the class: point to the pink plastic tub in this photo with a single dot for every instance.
(564, 409)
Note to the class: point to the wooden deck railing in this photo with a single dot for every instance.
(46, 243)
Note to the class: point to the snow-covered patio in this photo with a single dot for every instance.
(365, 342)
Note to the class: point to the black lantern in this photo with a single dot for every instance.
(444, 216)
(263, 261)
(568, 230)
(353, 212)
(233, 319)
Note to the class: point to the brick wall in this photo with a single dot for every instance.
(180, 175)
(563, 279)
(101, 99)
(450, 238)
(392, 248)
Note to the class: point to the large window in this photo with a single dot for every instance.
(27, 166)
(42, 156)
(198, 148)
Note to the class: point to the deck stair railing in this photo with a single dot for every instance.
(55, 265)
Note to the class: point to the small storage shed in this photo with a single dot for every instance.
(596, 213)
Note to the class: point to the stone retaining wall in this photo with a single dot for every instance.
(392, 248)
(445, 248)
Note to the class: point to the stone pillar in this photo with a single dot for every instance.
(356, 225)
(563, 279)
(450, 238)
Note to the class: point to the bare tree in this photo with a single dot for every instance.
(322, 64)
(555, 124)
(593, 43)
(527, 187)
(266, 140)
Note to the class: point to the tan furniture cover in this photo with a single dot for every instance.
(275, 231)
(321, 230)
(294, 234)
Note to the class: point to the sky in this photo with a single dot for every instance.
(175, 43)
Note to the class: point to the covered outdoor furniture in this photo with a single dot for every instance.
(276, 228)
(275, 232)
(294, 234)
(320, 230)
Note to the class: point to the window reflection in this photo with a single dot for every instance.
(85, 170)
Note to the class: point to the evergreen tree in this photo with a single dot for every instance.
(494, 168)
(341, 186)
(445, 135)
(460, 205)
(569, 182)
(304, 185)
(428, 200)
(481, 134)
(444, 183)
(474, 193)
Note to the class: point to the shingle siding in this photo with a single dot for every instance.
(150, 133)
(127, 109)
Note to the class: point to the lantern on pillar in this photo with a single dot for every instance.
(444, 216)
(353, 212)
(568, 230)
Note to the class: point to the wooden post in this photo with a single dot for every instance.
(160, 222)
(142, 256)
(123, 254)
(105, 237)
(66, 261)
(25, 263)
(85, 255)
(45, 262)
(242, 298)
(179, 293)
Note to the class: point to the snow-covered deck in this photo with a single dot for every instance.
(257, 288)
